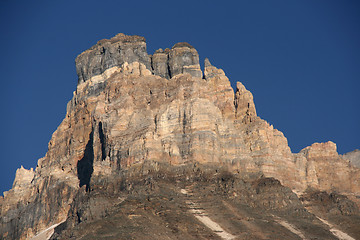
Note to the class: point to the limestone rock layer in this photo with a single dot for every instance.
(131, 108)
(114, 52)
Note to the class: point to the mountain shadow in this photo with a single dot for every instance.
(102, 141)
(85, 165)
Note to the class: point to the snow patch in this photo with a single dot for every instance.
(336, 232)
(47, 233)
(201, 215)
(289, 226)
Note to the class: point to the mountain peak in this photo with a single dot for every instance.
(142, 128)
(182, 44)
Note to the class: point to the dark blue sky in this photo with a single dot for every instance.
(300, 59)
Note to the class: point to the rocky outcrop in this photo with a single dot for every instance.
(353, 157)
(160, 63)
(28, 209)
(321, 167)
(109, 53)
(183, 58)
(114, 52)
(23, 177)
(131, 110)
(244, 104)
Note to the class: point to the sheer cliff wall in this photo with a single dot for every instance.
(130, 108)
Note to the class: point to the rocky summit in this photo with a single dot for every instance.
(154, 147)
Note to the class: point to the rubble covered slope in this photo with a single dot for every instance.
(148, 137)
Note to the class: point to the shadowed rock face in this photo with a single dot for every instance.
(114, 52)
(110, 53)
(131, 110)
(85, 165)
(160, 63)
(183, 58)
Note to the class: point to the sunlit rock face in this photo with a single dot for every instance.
(131, 108)
(324, 169)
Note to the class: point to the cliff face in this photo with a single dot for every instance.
(132, 109)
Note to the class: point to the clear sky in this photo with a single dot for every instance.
(300, 59)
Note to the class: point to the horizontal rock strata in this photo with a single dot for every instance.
(131, 108)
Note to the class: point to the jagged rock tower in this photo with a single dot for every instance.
(134, 113)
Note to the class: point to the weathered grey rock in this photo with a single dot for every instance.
(183, 58)
(353, 157)
(160, 63)
(114, 52)
(109, 53)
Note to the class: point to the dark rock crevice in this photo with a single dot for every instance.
(102, 141)
(85, 166)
